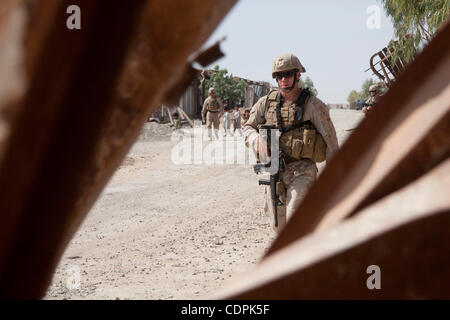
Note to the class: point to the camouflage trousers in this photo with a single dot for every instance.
(297, 178)
(212, 119)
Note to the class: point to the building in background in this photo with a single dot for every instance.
(192, 99)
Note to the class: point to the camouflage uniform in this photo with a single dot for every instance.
(213, 108)
(371, 100)
(298, 175)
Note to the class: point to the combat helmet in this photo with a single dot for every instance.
(211, 90)
(373, 87)
(286, 62)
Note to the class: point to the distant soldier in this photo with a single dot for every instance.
(213, 109)
(374, 95)
(307, 135)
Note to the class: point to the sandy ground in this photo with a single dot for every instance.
(162, 230)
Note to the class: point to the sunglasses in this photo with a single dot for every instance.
(286, 74)
(373, 91)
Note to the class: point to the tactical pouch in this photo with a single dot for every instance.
(304, 143)
(291, 143)
(213, 106)
(320, 149)
(309, 139)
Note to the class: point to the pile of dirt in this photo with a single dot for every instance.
(155, 131)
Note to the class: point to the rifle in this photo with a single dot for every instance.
(274, 180)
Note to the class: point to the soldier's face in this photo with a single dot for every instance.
(286, 79)
(373, 93)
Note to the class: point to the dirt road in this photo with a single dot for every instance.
(162, 230)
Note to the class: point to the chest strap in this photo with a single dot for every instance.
(300, 103)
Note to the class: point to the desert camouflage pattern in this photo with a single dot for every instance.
(211, 104)
(297, 178)
(213, 108)
(286, 62)
(370, 102)
(293, 142)
(299, 175)
(314, 110)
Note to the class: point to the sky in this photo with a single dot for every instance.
(331, 38)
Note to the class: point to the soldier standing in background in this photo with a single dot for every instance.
(307, 134)
(213, 109)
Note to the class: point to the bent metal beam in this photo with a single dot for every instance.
(405, 235)
(90, 92)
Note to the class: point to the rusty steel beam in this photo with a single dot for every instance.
(381, 55)
(429, 152)
(90, 92)
(372, 66)
(405, 234)
(63, 108)
(12, 80)
(379, 146)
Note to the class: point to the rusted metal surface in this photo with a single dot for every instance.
(13, 81)
(405, 234)
(390, 71)
(62, 109)
(90, 93)
(87, 94)
(429, 152)
(210, 55)
(382, 142)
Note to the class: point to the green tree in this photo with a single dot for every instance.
(352, 97)
(227, 88)
(415, 23)
(308, 83)
(364, 93)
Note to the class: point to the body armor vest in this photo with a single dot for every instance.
(213, 105)
(372, 100)
(299, 138)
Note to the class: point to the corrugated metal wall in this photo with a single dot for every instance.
(249, 97)
(189, 101)
(253, 93)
